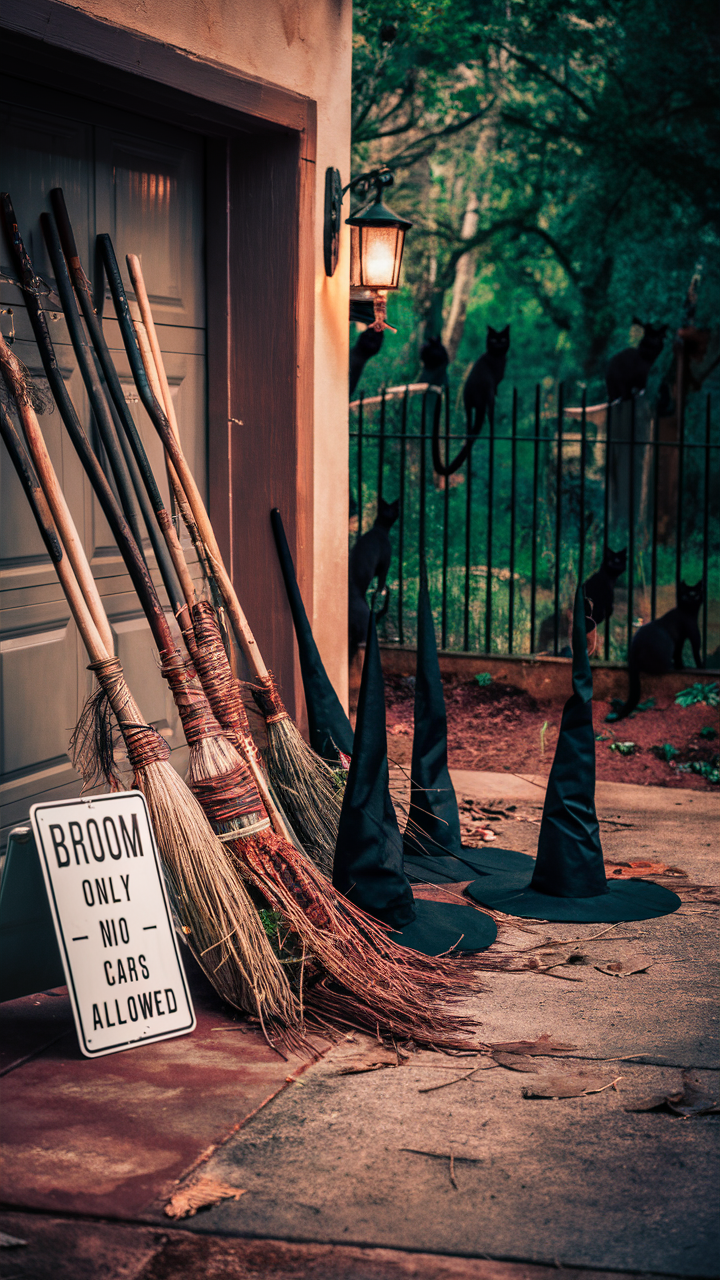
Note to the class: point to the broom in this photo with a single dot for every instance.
(305, 783)
(377, 976)
(219, 921)
(380, 985)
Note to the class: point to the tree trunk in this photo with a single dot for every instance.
(464, 277)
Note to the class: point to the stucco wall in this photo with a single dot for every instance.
(304, 46)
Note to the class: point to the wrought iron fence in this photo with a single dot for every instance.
(545, 490)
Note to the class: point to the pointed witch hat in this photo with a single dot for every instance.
(369, 855)
(432, 844)
(569, 880)
(330, 729)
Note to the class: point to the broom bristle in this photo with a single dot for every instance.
(221, 924)
(371, 982)
(307, 790)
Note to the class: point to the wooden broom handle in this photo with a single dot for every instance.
(125, 707)
(13, 375)
(244, 635)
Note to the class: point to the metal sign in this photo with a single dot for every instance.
(112, 918)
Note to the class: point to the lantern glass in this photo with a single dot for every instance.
(375, 256)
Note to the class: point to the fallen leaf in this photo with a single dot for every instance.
(690, 1100)
(623, 968)
(544, 1046)
(200, 1195)
(643, 866)
(565, 1086)
(375, 1060)
(515, 1061)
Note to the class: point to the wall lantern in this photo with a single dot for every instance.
(377, 240)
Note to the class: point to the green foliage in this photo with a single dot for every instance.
(271, 921)
(699, 692)
(587, 135)
(706, 769)
(483, 678)
(624, 748)
(708, 732)
(666, 752)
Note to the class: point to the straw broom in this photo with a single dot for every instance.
(380, 987)
(209, 900)
(305, 783)
(84, 295)
(384, 985)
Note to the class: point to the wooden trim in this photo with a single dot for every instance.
(101, 55)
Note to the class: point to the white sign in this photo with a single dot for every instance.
(112, 919)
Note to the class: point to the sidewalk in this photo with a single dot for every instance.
(350, 1175)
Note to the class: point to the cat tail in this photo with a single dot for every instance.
(633, 697)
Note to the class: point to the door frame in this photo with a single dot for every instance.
(260, 267)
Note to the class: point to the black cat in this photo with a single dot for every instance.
(435, 360)
(599, 588)
(484, 379)
(628, 371)
(367, 345)
(657, 647)
(369, 558)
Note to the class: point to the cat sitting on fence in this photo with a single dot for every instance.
(599, 592)
(627, 371)
(367, 345)
(484, 379)
(369, 558)
(599, 589)
(658, 646)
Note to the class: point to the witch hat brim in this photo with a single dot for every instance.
(330, 729)
(432, 844)
(569, 881)
(368, 866)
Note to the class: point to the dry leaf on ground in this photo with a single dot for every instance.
(374, 1060)
(516, 1061)
(544, 1046)
(690, 1100)
(565, 1086)
(623, 968)
(200, 1195)
(641, 867)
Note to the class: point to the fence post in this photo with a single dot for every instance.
(513, 461)
(489, 540)
(533, 549)
(360, 468)
(558, 518)
(631, 524)
(401, 526)
(606, 511)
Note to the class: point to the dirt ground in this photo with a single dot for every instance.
(502, 728)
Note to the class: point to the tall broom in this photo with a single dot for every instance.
(377, 978)
(305, 783)
(379, 986)
(219, 921)
(174, 570)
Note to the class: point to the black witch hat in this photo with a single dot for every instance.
(432, 845)
(369, 854)
(330, 729)
(569, 880)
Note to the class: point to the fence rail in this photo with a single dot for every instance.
(545, 490)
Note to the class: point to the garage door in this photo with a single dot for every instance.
(143, 182)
